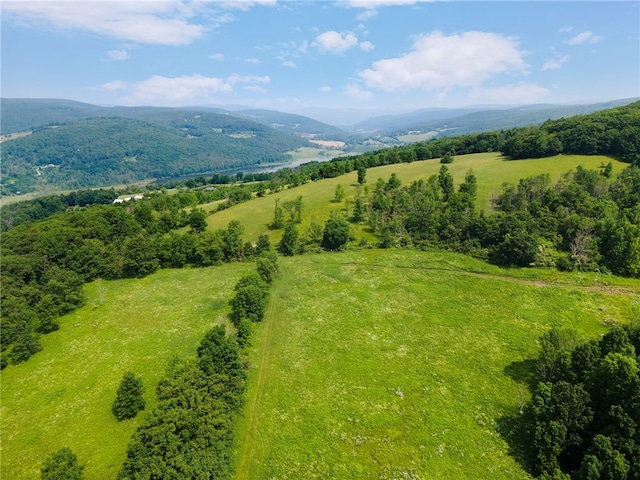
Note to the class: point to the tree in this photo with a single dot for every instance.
(62, 465)
(362, 173)
(250, 301)
(393, 183)
(470, 185)
(129, 397)
(266, 267)
(335, 234)
(198, 220)
(278, 216)
(359, 210)
(289, 240)
(446, 182)
(339, 194)
(447, 158)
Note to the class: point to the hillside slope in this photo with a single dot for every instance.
(148, 143)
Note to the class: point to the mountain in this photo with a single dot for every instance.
(495, 119)
(100, 146)
(291, 123)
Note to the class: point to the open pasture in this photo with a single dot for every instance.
(403, 364)
(491, 169)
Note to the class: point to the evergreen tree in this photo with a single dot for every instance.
(335, 234)
(289, 240)
(129, 400)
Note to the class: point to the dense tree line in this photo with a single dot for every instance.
(583, 222)
(583, 420)
(190, 433)
(45, 263)
(614, 132)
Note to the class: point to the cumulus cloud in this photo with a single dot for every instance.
(252, 60)
(556, 62)
(160, 90)
(289, 64)
(117, 55)
(356, 91)
(440, 61)
(584, 38)
(218, 57)
(513, 94)
(335, 42)
(326, 89)
(366, 46)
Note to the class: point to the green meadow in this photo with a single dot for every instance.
(369, 363)
(491, 169)
(402, 364)
(63, 395)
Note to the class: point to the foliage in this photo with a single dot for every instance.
(156, 143)
(129, 398)
(288, 243)
(62, 465)
(336, 233)
(191, 431)
(250, 299)
(583, 417)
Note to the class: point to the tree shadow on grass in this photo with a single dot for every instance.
(513, 428)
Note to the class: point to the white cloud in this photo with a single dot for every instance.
(555, 63)
(118, 55)
(440, 61)
(252, 60)
(289, 64)
(568, 28)
(369, 4)
(513, 94)
(584, 37)
(366, 15)
(162, 22)
(326, 89)
(356, 91)
(366, 46)
(160, 90)
(218, 57)
(335, 42)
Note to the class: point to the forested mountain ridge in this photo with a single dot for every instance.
(483, 120)
(155, 143)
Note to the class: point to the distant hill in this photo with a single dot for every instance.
(291, 123)
(67, 150)
(500, 119)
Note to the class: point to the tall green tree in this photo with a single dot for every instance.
(129, 398)
(336, 233)
(289, 242)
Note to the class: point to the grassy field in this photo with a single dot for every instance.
(366, 364)
(401, 364)
(63, 395)
(491, 170)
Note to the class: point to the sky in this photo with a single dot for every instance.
(396, 55)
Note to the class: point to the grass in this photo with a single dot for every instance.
(345, 335)
(491, 170)
(399, 364)
(62, 396)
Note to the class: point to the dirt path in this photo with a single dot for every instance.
(254, 438)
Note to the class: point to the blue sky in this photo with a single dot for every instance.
(286, 55)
